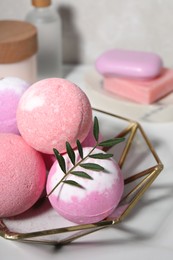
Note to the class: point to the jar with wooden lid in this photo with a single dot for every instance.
(18, 50)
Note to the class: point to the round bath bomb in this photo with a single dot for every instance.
(22, 175)
(11, 90)
(51, 112)
(99, 197)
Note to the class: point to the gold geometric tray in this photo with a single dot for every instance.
(140, 165)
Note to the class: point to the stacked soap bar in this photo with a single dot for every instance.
(138, 76)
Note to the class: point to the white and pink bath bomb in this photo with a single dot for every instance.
(100, 196)
(51, 112)
(22, 175)
(11, 90)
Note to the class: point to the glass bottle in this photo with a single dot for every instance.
(48, 24)
(18, 50)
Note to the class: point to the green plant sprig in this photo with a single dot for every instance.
(88, 166)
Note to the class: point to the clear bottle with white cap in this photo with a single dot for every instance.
(48, 24)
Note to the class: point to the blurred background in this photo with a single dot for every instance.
(92, 27)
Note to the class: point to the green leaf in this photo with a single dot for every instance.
(81, 162)
(70, 152)
(96, 129)
(111, 142)
(101, 155)
(80, 149)
(82, 174)
(60, 160)
(74, 183)
(92, 166)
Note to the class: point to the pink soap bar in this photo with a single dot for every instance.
(133, 64)
(145, 92)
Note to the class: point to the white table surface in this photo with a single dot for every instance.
(148, 231)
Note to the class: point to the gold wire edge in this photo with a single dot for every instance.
(85, 229)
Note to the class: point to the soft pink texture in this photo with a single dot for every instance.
(144, 92)
(94, 208)
(11, 90)
(49, 160)
(99, 198)
(90, 141)
(133, 64)
(22, 175)
(51, 112)
(9, 101)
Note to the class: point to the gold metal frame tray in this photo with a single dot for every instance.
(140, 165)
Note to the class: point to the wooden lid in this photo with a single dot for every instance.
(18, 41)
(41, 3)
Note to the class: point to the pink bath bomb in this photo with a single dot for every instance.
(51, 112)
(11, 90)
(49, 160)
(90, 141)
(92, 204)
(22, 175)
